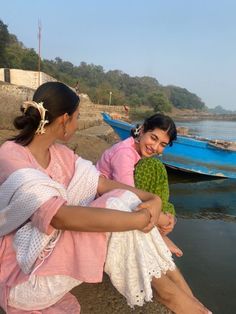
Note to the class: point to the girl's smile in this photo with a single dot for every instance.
(152, 142)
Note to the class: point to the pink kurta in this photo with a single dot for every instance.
(80, 255)
(118, 162)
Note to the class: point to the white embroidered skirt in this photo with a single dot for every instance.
(134, 257)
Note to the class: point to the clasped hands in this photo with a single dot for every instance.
(151, 209)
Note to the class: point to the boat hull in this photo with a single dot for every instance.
(188, 154)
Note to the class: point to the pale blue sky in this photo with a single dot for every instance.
(186, 43)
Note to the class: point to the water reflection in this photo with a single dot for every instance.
(208, 262)
(208, 198)
(206, 232)
(206, 227)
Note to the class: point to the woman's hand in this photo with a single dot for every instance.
(145, 225)
(153, 205)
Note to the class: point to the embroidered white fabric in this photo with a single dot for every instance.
(24, 192)
(40, 292)
(134, 258)
(31, 244)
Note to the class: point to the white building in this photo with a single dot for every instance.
(31, 79)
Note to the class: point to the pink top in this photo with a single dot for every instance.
(118, 162)
(80, 255)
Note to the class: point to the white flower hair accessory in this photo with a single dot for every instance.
(41, 128)
(137, 130)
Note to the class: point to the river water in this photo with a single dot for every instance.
(206, 227)
(211, 129)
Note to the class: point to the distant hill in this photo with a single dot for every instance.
(112, 87)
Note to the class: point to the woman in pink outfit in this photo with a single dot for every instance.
(54, 235)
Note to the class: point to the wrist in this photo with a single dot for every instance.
(143, 218)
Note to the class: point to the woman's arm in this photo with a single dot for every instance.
(93, 219)
(151, 201)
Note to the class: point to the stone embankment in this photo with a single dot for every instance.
(12, 97)
(90, 113)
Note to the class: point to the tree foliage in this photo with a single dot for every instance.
(159, 102)
(4, 40)
(94, 81)
(183, 99)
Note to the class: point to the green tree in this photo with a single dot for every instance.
(159, 102)
(29, 60)
(4, 40)
(183, 99)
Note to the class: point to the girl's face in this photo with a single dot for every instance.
(152, 142)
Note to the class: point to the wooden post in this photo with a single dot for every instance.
(39, 51)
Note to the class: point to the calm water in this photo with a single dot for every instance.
(206, 227)
(206, 231)
(211, 129)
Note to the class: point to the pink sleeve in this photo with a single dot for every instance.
(43, 216)
(123, 163)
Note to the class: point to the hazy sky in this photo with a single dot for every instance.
(187, 43)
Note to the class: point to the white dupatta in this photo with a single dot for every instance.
(25, 191)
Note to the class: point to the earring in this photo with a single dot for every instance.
(64, 130)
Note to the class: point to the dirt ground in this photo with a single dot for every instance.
(99, 298)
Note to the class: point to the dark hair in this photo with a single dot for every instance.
(157, 121)
(57, 98)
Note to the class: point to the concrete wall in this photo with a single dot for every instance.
(13, 96)
(11, 99)
(31, 79)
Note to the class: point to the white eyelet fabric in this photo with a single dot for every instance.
(134, 257)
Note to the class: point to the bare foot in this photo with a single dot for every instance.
(172, 247)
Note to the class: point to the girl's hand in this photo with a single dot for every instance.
(165, 229)
(153, 205)
(163, 220)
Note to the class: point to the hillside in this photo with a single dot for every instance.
(112, 87)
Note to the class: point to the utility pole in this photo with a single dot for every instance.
(39, 50)
(110, 94)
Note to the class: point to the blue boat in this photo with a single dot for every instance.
(190, 154)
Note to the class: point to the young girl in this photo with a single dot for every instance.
(130, 162)
(52, 239)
